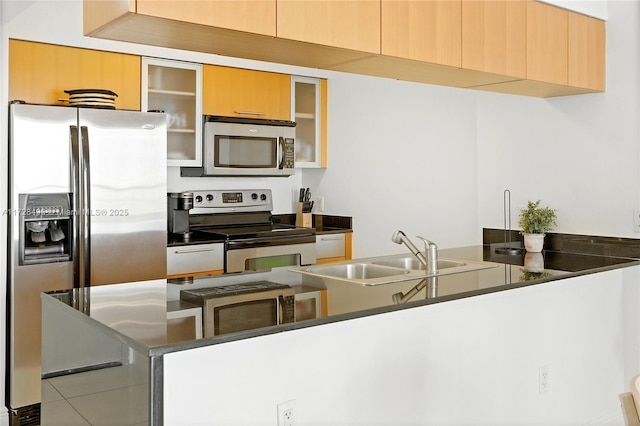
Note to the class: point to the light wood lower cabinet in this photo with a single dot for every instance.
(40, 73)
(333, 247)
(237, 92)
(194, 260)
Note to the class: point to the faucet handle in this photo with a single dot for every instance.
(427, 243)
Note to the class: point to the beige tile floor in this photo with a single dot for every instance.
(89, 398)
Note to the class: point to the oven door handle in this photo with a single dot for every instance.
(280, 241)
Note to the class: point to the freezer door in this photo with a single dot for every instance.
(125, 190)
(39, 162)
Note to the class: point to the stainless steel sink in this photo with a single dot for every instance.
(412, 263)
(358, 271)
(388, 269)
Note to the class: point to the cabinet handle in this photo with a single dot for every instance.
(250, 113)
(331, 239)
(192, 251)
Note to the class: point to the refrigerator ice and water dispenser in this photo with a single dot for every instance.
(45, 227)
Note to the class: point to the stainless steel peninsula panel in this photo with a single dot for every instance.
(87, 207)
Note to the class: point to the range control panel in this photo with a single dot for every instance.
(222, 201)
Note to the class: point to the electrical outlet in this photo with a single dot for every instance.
(636, 221)
(286, 413)
(543, 379)
(320, 206)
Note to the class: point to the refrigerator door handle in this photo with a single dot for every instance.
(85, 229)
(77, 208)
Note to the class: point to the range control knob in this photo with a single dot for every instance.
(209, 197)
(263, 197)
(198, 198)
(254, 196)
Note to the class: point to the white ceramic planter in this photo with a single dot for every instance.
(533, 242)
(534, 262)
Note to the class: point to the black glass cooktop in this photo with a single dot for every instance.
(267, 230)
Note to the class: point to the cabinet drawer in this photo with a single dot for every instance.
(195, 258)
(330, 245)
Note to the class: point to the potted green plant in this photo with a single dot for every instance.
(535, 222)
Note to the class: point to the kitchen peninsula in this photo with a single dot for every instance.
(477, 342)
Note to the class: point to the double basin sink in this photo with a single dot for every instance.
(389, 269)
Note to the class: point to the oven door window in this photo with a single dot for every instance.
(245, 316)
(245, 152)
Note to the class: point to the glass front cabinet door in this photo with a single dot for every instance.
(176, 88)
(308, 101)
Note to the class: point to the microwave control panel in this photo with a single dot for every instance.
(288, 155)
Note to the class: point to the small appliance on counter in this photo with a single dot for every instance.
(243, 221)
(179, 204)
(239, 307)
(246, 147)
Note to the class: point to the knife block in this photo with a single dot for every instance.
(302, 218)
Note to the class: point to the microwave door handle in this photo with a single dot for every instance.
(280, 153)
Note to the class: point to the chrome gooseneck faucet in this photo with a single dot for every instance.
(430, 261)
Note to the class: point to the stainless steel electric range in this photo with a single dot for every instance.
(243, 220)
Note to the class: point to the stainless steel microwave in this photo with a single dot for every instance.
(235, 146)
(239, 307)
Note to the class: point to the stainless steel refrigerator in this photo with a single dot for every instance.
(87, 197)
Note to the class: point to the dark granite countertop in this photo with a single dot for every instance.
(324, 224)
(349, 301)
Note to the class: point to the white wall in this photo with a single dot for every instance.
(472, 361)
(401, 156)
(596, 8)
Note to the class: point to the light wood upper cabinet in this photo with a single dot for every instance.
(256, 16)
(547, 43)
(349, 24)
(428, 31)
(494, 36)
(40, 73)
(237, 92)
(524, 47)
(586, 52)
